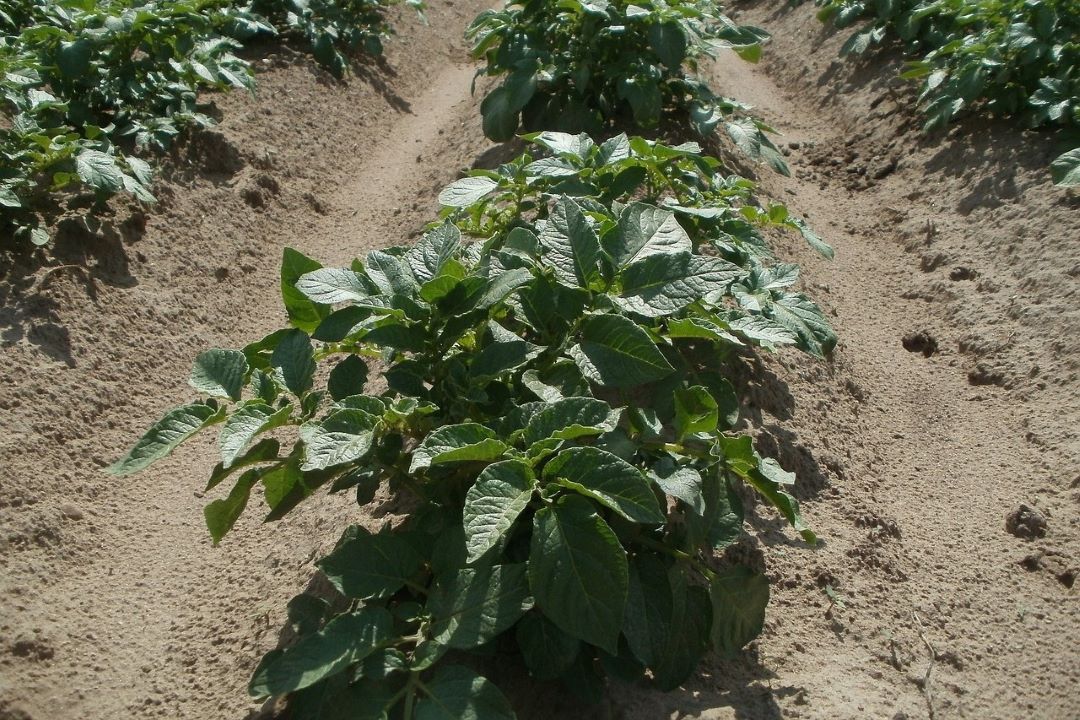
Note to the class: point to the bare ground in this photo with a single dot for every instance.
(951, 400)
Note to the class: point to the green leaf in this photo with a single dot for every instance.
(163, 436)
(615, 352)
(548, 652)
(645, 98)
(649, 608)
(221, 515)
(458, 693)
(644, 231)
(571, 418)
(570, 244)
(73, 58)
(327, 286)
(303, 313)
(668, 41)
(739, 597)
(467, 191)
(749, 138)
(683, 483)
(609, 480)
(1065, 169)
(493, 503)
(391, 275)
(99, 171)
(294, 361)
(344, 436)
(219, 373)
(244, 424)
(345, 640)
(349, 377)
(664, 284)
(812, 238)
(501, 106)
(804, 318)
(563, 144)
(435, 249)
(370, 566)
(696, 411)
(688, 632)
(457, 443)
(477, 604)
(578, 571)
(499, 357)
(263, 451)
(8, 197)
(336, 698)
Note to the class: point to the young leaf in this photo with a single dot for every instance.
(696, 411)
(466, 191)
(607, 479)
(163, 436)
(578, 572)
(371, 566)
(328, 286)
(615, 352)
(739, 597)
(477, 604)
(99, 171)
(349, 377)
(493, 503)
(345, 640)
(219, 373)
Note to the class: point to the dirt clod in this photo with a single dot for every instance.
(920, 341)
(1026, 522)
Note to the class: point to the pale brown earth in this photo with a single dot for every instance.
(951, 400)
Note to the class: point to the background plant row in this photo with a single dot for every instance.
(1018, 58)
(87, 87)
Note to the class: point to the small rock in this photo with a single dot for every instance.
(921, 342)
(962, 273)
(1026, 522)
(71, 512)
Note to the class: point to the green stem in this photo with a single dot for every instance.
(679, 555)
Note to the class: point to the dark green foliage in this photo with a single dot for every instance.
(579, 66)
(570, 455)
(87, 86)
(1004, 57)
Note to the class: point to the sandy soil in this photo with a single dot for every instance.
(951, 401)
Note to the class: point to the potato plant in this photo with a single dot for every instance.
(554, 424)
(1004, 57)
(580, 66)
(86, 87)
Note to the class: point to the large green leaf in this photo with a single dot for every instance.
(688, 632)
(615, 352)
(457, 443)
(294, 361)
(664, 284)
(327, 286)
(570, 244)
(99, 171)
(303, 313)
(739, 597)
(477, 604)
(609, 480)
(345, 640)
(578, 572)
(371, 566)
(458, 693)
(467, 191)
(570, 418)
(244, 424)
(428, 257)
(493, 503)
(548, 651)
(344, 436)
(649, 606)
(336, 698)
(163, 436)
(668, 41)
(802, 316)
(502, 356)
(219, 373)
(1065, 169)
(644, 231)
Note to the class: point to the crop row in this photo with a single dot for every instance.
(89, 88)
(543, 391)
(1006, 58)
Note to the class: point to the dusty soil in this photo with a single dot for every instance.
(951, 401)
